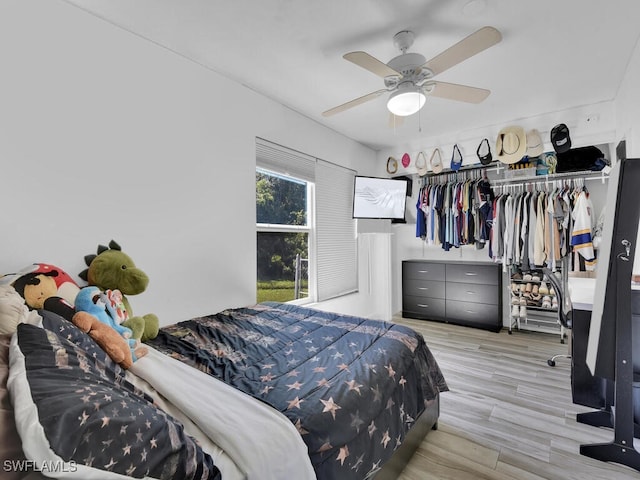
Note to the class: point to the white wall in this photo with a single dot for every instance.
(627, 106)
(105, 135)
(628, 120)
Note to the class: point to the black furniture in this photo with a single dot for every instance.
(598, 392)
(463, 293)
(586, 389)
(610, 352)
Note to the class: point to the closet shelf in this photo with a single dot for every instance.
(494, 166)
(587, 175)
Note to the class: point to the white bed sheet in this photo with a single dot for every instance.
(260, 442)
(228, 468)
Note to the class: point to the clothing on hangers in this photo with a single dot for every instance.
(529, 225)
(581, 237)
(536, 228)
(455, 213)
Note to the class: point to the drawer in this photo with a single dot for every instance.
(473, 292)
(424, 288)
(421, 307)
(471, 273)
(423, 270)
(479, 315)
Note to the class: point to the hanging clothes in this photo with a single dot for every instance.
(539, 254)
(531, 229)
(421, 223)
(483, 212)
(454, 213)
(581, 237)
(534, 229)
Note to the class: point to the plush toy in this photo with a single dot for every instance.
(65, 287)
(91, 300)
(113, 270)
(106, 337)
(14, 310)
(40, 290)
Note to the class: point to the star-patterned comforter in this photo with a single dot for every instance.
(352, 387)
(79, 417)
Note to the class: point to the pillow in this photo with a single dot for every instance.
(12, 309)
(13, 460)
(62, 382)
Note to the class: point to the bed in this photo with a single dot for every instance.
(268, 391)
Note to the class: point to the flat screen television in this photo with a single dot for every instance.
(380, 198)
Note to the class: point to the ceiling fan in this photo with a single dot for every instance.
(409, 77)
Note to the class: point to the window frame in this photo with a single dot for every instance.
(308, 228)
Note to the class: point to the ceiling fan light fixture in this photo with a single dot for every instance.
(407, 101)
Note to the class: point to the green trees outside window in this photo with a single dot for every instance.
(283, 237)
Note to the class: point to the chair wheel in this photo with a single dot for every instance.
(551, 363)
(510, 332)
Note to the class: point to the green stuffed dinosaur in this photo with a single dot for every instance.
(113, 272)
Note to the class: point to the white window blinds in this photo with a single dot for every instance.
(278, 159)
(334, 229)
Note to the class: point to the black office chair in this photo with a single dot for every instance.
(565, 309)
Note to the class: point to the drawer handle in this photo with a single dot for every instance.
(470, 311)
(470, 292)
(423, 288)
(423, 271)
(423, 305)
(471, 274)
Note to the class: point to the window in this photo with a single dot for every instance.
(306, 236)
(283, 237)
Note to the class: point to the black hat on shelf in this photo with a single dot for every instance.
(560, 138)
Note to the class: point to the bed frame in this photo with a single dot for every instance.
(427, 422)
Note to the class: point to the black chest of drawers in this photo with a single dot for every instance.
(464, 293)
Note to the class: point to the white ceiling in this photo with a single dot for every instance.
(554, 55)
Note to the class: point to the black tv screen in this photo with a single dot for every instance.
(380, 198)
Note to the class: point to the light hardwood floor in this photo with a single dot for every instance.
(508, 415)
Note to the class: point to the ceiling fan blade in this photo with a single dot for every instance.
(353, 103)
(453, 91)
(473, 44)
(366, 61)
